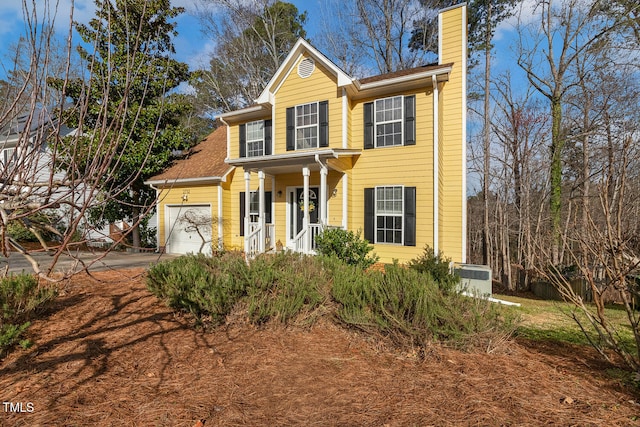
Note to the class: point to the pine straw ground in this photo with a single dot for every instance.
(110, 354)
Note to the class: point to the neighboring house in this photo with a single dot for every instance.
(27, 169)
(384, 154)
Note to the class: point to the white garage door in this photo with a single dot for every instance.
(188, 229)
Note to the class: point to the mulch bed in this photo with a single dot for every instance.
(110, 354)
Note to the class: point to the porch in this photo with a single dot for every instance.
(294, 210)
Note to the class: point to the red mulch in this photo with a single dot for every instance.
(110, 354)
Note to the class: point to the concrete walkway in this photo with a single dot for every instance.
(112, 260)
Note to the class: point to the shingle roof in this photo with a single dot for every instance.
(204, 160)
(409, 71)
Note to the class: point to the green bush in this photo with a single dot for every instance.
(206, 287)
(20, 298)
(411, 308)
(346, 246)
(438, 267)
(285, 286)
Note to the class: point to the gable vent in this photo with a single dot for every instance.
(306, 67)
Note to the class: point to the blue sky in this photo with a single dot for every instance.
(191, 45)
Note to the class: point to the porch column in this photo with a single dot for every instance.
(261, 218)
(247, 207)
(305, 209)
(323, 195)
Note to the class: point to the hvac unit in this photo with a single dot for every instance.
(474, 279)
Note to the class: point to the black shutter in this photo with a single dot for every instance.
(409, 216)
(369, 214)
(368, 125)
(291, 129)
(242, 212)
(267, 207)
(324, 123)
(410, 120)
(243, 140)
(267, 138)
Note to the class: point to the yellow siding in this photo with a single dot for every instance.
(453, 108)
(320, 86)
(411, 166)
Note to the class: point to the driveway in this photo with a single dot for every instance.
(112, 260)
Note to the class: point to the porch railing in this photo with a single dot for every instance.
(300, 243)
(256, 235)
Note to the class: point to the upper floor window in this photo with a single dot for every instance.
(255, 138)
(308, 125)
(390, 122)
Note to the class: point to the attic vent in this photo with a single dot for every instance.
(306, 67)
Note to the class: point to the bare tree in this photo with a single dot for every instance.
(547, 53)
(252, 39)
(50, 177)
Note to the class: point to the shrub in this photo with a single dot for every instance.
(20, 298)
(285, 286)
(347, 246)
(411, 308)
(206, 287)
(438, 267)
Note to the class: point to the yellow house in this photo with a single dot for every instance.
(384, 155)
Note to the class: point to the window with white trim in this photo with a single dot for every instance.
(389, 214)
(389, 117)
(307, 126)
(255, 138)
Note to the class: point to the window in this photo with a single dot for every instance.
(254, 208)
(390, 122)
(390, 215)
(255, 138)
(308, 126)
(389, 212)
(8, 156)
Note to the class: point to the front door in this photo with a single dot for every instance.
(296, 209)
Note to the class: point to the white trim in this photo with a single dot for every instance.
(297, 50)
(345, 200)
(285, 78)
(436, 168)
(455, 6)
(440, 37)
(464, 133)
(296, 154)
(220, 221)
(345, 118)
(247, 110)
(407, 78)
(199, 180)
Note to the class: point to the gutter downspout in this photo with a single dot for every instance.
(157, 219)
(436, 164)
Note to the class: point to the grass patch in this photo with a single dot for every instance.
(553, 321)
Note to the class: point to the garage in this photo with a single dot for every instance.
(188, 229)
